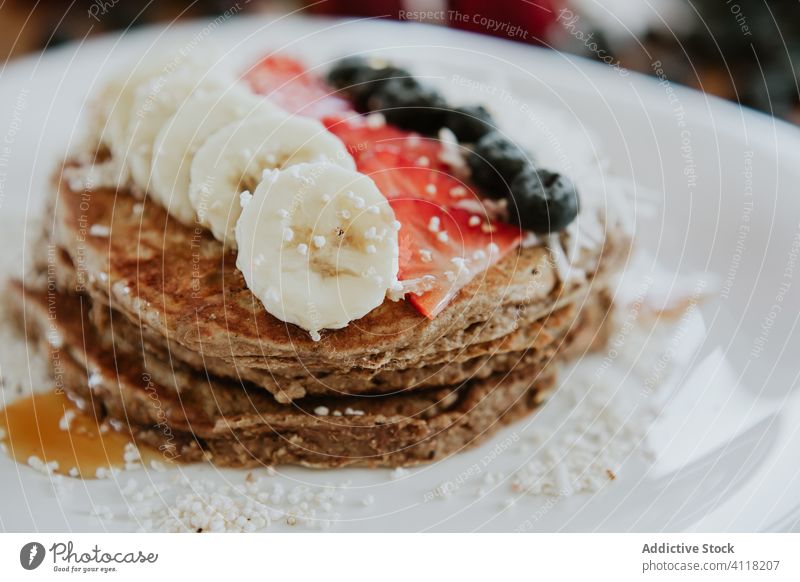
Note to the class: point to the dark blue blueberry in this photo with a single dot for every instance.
(348, 71)
(543, 201)
(469, 123)
(359, 78)
(495, 161)
(407, 103)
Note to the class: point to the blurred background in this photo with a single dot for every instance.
(746, 51)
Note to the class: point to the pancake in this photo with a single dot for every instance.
(286, 385)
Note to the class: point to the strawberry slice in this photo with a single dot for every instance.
(443, 249)
(401, 163)
(401, 172)
(285, 81)
(362, 135)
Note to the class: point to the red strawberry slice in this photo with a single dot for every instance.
(402, 163)
(362, 134)
(409, 173)
(285, 81)
(443, 249)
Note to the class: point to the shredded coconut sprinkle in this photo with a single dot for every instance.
(204, 506)
(99, 231)
(245, 198)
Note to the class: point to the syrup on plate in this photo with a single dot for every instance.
(49, 428)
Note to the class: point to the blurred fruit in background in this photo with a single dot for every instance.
(743, 50)
(519, 20)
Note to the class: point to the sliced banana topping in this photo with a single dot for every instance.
(203, 113)
(155, 102)
(164, 72)
(318, 245)
(233, 160)
(115, 100)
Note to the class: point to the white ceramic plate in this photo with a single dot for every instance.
(726, 445)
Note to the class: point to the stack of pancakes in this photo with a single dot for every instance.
(151, 326)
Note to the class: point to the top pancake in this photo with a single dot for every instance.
(180, 282)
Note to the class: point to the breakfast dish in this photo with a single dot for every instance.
(288, 269)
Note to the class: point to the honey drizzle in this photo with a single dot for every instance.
(36, 427)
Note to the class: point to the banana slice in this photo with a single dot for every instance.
(155, 101)
(194, 121)
(318, 245)
(234, 159)
(111, 111)
(113, 104)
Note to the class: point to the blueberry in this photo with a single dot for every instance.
(495, 161)
(543, 201)
(407, 103)
(373, 82)
(360, 78)
(348, 71)
(469, 123)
